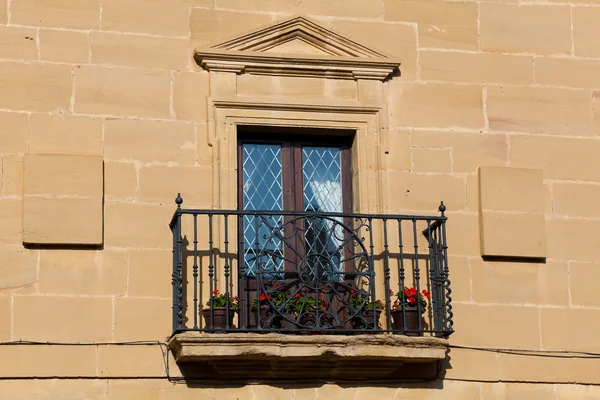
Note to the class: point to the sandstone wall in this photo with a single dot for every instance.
(110, 89)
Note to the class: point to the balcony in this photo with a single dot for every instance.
(256, 287)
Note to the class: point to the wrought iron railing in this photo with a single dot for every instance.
(306, 272)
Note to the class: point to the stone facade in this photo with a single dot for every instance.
(109, 108)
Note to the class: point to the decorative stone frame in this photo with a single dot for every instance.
(324, 55)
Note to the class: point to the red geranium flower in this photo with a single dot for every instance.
(216, 291)
(426, 294)
(297, 296)
(262, 297)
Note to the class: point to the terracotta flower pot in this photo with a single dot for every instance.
(220, 317)
(365, 322)
(412, 321)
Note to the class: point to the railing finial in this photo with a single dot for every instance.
(179, 200)
(442, 208)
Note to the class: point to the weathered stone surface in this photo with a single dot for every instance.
(19, 267)
(139, 51)
(539, 29)
(66, 134)
(539, 110)
(46, 362)
(158, 184)
(162, 139)
(84, 14)
(122, 92)
(585, 31)
(439, 105)
(142, 319)
(138, 225)
(14, 133)
(511, 189)
(441, 24)
(64, 175)
(11, 215)
(150, 273)
(131, 361)
(120, 181)
(64, 46)
(5, 317)
(12, 176)
(18, 43)
(527, 238)
(189, 95)
(62, 220)
(55, 315)
(582, 279)
(41, 88)
(102, 272)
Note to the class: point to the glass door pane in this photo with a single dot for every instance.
(322, 192)
(262, 190)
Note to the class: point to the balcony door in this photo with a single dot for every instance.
(299, 174)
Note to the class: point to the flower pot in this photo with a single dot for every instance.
(220, 318)
(412, 321)
(365, 321)
(265, 318)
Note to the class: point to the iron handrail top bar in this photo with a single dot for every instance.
(304, 214)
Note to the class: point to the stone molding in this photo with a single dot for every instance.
(336, 56)
(252, 355)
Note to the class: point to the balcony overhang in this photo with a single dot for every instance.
(280, 356)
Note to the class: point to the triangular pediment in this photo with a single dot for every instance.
(297, 46)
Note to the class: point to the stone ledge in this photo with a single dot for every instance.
(249, 355)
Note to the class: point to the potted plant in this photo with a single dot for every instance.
(370, 311)
(219, 310)
(306, 307)
(405, 309)
(269, 304)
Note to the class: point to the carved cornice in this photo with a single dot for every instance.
(331, 55)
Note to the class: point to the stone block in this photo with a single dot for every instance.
(207, 26)
(139, 51)
(122, 92)
(3, 11)
(12, 176)
(66, 134)
(139, 389)
(138, 225)
(539, 29)
(5, 317)
(539, 110)
(511, 189)
(469, 364)
(583, 392)
(14, 133)
(11, 215)
(73, 221)
(41, 88)
(399, 156)
(120, 181)
(83, 272)
(64, 175)
(64, 46)
(517, 391)
(441, 24)
(560, 158)
(460, 275)
(473, 202)
(150, 273)
(586, 31)
(515, 367)
(463, 234)
(505, 283)
(337, 8)
(573, 240)
(47, 362)
(513, 235)
(190, 90)
(431, 160)
(407, 191)
(583, 278)
(131, 361)
(469, 150)
(162, 140)
(279, 86)
(553, 290)
(576, 199)
(476, 67)
(557, 325)
(398, 40)
(441, 105)
(143, 319)
(18, 43)
(155, 18)
(558, 71)
(514, 327)
(158, 184)
(84, 14)
(62, 319)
